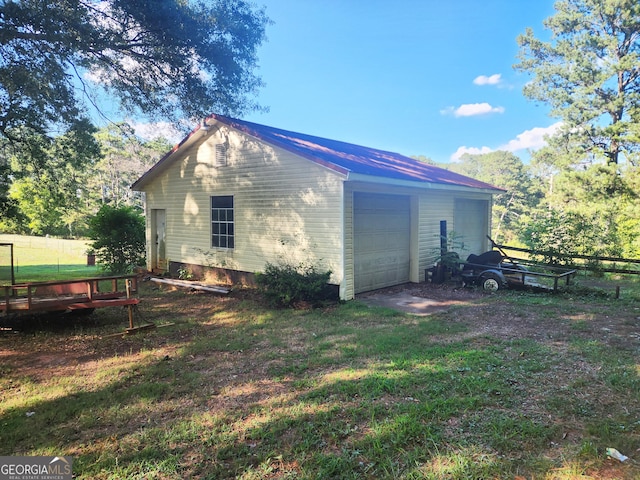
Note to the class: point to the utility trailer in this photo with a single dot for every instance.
(493, 270)
(81, 295)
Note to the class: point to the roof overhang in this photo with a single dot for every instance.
(357, 177)
(214, 122)
(195, 136)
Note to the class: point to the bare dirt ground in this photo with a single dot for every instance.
(35, 353)
(503, 320)
(58, 347)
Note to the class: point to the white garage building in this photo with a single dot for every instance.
(235, 195)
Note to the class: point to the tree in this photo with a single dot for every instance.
(171, 58)
(118, 238)
(562, 233)
(591, 210)
(504, 170)
(49, 180)
(58, 183)
(423, 159)
(589, 73)
(125, 158)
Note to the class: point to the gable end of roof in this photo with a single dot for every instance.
(341, 157)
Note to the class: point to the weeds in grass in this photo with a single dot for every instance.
(236, 391)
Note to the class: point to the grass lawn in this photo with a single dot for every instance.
(510, 385)
(38, 259)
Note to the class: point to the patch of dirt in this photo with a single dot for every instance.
(504, 319)
(421, 299)
(237, 378)
(34, 352)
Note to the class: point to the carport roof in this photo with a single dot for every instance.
(342, 157)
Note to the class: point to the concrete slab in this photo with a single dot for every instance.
(405, 302)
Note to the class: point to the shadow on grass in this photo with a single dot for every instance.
(268, 394)
(157, 417)
(64, 322)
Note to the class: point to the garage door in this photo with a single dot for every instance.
(471, 225)
(382, 228)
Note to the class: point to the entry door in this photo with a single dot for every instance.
(382, 231)
(159, 246)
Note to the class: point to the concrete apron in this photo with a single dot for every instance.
(405, 302)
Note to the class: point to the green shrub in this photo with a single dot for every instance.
(118, 236)
(559, 235)
(286, 285)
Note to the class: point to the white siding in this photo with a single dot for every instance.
(428, 208)
(471, 224)
(441, 205)
(286, 208)
(434, 207)
(347, 290)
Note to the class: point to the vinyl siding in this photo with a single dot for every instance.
(347, 289)
(286, 208)
(428, 208)
(434, 207)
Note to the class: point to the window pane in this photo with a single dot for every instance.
(223, 201)
(222, 227)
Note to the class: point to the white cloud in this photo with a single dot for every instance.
(149, 131)
(533, 139)
(530, 139)
(472, 109)
(494, 79)
(470, 150)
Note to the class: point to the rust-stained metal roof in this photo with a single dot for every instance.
(342, 157)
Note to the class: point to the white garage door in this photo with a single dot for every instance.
(382, 228)
(471, 225)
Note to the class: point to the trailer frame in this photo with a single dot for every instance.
(70, 295)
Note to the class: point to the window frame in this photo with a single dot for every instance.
(222, 216)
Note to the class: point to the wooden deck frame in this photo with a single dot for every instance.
(57, 295)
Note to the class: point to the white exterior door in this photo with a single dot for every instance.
(382, 231)
(159, 243)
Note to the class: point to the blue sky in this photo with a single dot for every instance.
(428, 77)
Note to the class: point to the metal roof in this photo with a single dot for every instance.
(342, 157)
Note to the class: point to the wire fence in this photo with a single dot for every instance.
(6, 263)
(49, 253)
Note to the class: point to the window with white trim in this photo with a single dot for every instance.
(222, 223)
